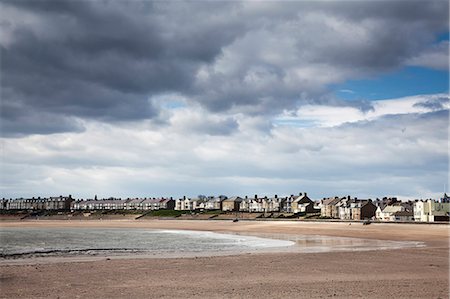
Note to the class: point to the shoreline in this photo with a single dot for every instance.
(295, 244)
(383, 231)
(5, 217)
(400, 273)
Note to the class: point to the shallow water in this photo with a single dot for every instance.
(21, 243)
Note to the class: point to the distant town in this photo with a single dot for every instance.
(298, 206)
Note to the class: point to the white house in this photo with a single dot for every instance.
(430, 211)
(387, 214)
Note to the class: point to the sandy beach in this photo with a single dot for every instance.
(400, 273)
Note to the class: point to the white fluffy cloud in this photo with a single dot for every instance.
(328, 116)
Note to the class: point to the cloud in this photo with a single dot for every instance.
(132, 98)
(435, 57)
(198, 121)
(391, 154)
(329, 116)
(104, 60)
(100, 60)
(283, 61)
(434, 103)
(347, 91)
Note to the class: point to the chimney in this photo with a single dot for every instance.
(246, 196)
(305, 193)
(276, 196)
(348, 197)
(300, 194)
(256, 196)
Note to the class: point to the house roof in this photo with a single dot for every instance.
(393, 209)
(365, 202)
(302, 199)
(135, 201)
(165, 200)
(331, 201)
(59, 198)
(233, 199)
(151, 200)
(106, 201)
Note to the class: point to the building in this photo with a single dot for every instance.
(302, 204)
(149, 204)
(403, 216)
(329, 207)
(102, 204)
(152, 204)
(213, 203)
(186, 204)
(231, 204)
(3, 204)
(345, 206)
(59, 203)
(430, 211)
(133, 204)
(364, 209)
(167, 204)
(254, 205)
(387, 214)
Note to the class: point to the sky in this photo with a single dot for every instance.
(173, 98)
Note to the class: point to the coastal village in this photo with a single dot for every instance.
(298, 206)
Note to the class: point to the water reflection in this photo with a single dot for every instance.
(318, 243)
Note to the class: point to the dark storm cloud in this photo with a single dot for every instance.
(98, 59)
(16, 121)
(400, 28)
(103, 60)
(399, 22)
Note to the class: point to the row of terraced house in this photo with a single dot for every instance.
(344, 208)
(38, 203)
(300, 203)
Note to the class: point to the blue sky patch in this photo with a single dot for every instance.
(442, 37)
(406, 82)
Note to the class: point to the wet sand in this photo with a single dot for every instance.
(399, 273)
